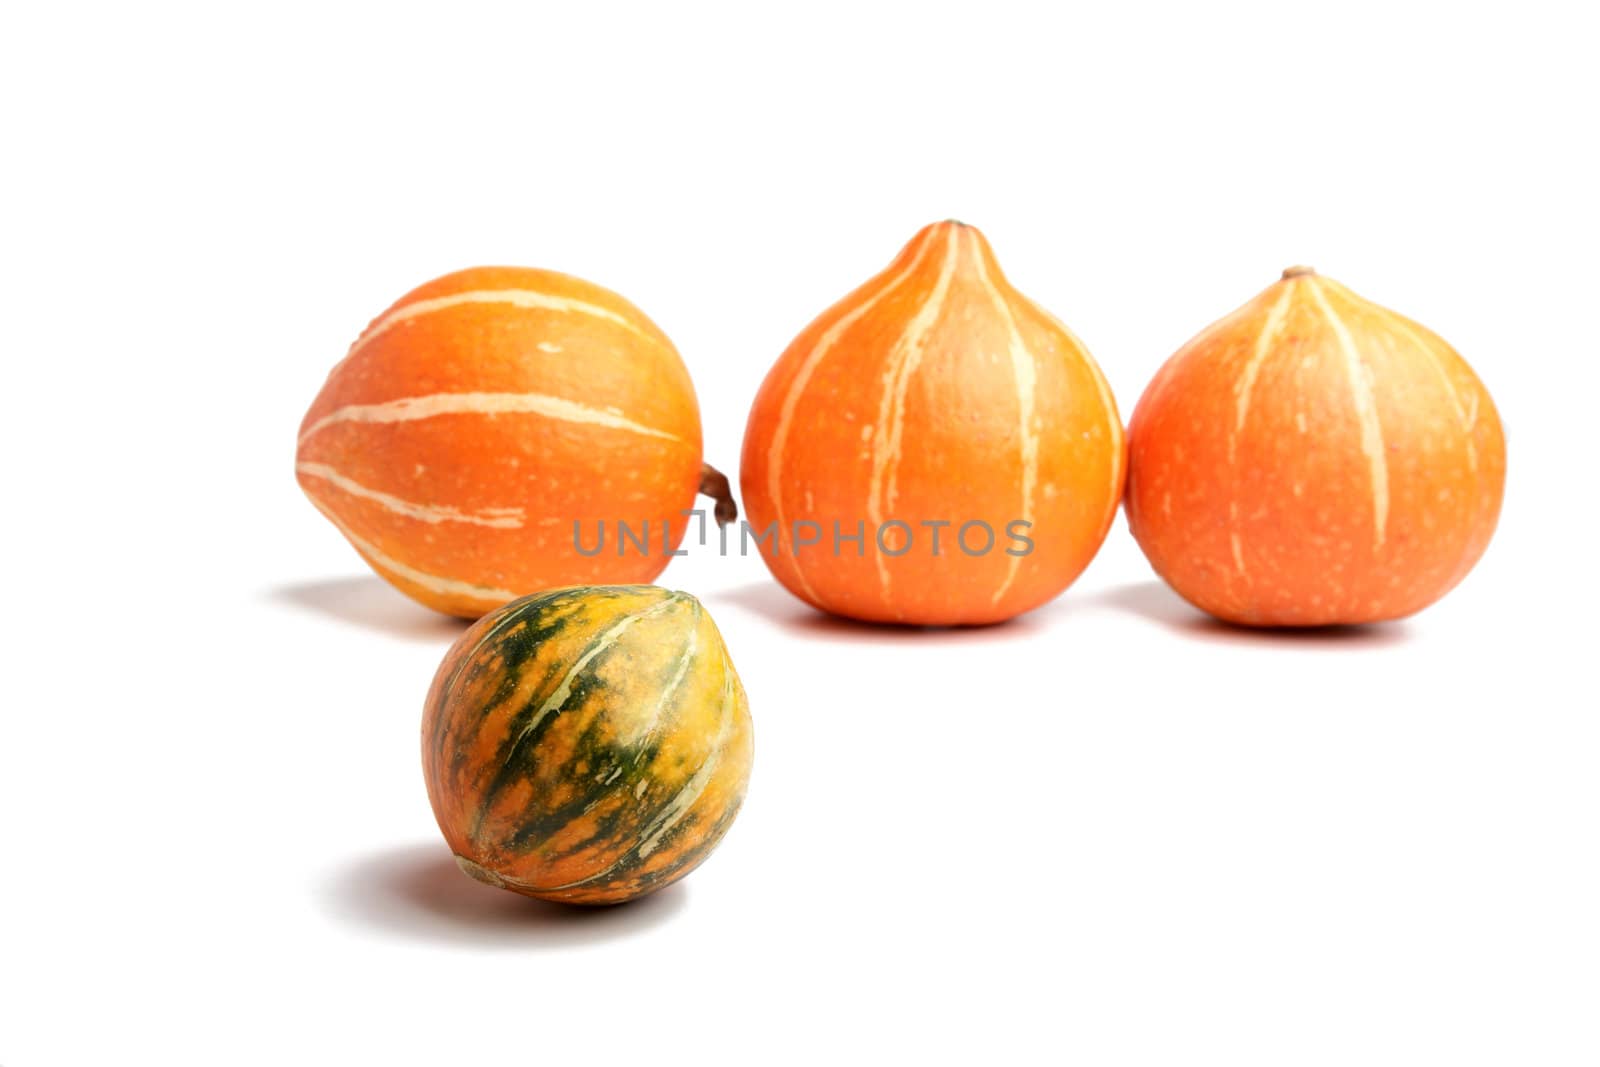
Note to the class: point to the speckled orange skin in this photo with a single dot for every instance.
(464, 510)
(1314, 459)
(934, 392)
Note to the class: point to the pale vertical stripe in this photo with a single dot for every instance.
(1108, 404)
(1243, 388)
(1366, 412)
(431, 582)
(685, 798)
(889, 430)
(1246, 384)
(674, 810)
(1025, 374)
(410, 408)
(556, 701)
(1468, 414)
(690, 649)
(497, 518)
(1468, 418)
(797, 387)
(1233, 539)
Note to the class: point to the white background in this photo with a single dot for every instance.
(1108, 833)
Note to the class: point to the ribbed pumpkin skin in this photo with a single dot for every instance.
(481, 416)
(934, 392)
(1314, 459)
(587, 745)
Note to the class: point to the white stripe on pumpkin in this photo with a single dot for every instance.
(1025, 373)
(431, 582)
(797, 387)
(531, 299)
(496, 518)
(889, 430)
(410, 408)
(1365, 409)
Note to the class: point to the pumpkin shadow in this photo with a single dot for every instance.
(1153, 600)
(368, 602)
(418, 892)
(795, 617)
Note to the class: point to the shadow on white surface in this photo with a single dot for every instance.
(418, 892)
(774, 603)
(1153, 600)
(371, 603)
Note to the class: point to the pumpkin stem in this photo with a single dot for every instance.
(714, 484)
(1297, 272)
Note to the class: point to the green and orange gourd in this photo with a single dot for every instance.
(587, 745)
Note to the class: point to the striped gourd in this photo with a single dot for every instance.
(1314, 458)
(485, 414)
(935, 393)
(587, 745)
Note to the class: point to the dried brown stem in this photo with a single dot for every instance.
(714, 484)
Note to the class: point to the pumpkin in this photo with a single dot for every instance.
(935, 448)
(1314, 459)
(587, 745)
(492, 432)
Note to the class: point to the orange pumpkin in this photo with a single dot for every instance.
(1312, 459)
(933, 394)
(492, 422)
